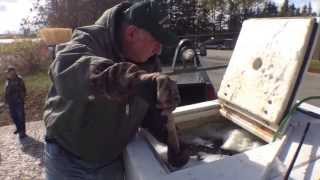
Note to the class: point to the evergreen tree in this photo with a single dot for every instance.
(219, 24)
(304, 11)
(285, 8)
(204, 24)
(309, 11)
(270, 10)
(189, 17)
(258, 12)
(292, 10)
(298, 13)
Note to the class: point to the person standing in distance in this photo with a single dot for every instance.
(15, 93)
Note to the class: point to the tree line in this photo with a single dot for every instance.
(187, 17)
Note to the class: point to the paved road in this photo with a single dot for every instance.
(310, 83)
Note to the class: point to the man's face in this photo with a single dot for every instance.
(11, 74)
(144, 46)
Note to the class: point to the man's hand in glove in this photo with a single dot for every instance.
(167, 94)
(168, 97)
(178, 159)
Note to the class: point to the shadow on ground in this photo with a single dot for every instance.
(33, 147)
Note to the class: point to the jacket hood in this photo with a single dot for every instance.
(110, 21)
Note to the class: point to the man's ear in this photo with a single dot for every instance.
(131, 33)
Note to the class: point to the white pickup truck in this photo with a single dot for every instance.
(253, 130)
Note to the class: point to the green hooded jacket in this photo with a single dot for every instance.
(97, 101)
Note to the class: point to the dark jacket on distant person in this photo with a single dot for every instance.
(15, 91)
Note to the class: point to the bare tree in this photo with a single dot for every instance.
(66, 13)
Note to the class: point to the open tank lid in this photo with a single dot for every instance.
(266, 66)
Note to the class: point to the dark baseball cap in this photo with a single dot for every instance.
(149, 16)
(10, 68)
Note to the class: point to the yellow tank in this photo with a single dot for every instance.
(54, 36)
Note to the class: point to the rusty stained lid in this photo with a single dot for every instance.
(266, 66)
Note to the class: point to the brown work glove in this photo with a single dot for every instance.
(178, 159)
(168, 97)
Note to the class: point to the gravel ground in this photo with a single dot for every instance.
(22, 159)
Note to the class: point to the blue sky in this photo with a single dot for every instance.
(12, 11)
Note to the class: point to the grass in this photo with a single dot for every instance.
(314, 66)
(38, 81)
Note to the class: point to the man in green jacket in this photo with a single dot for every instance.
(105, 86)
